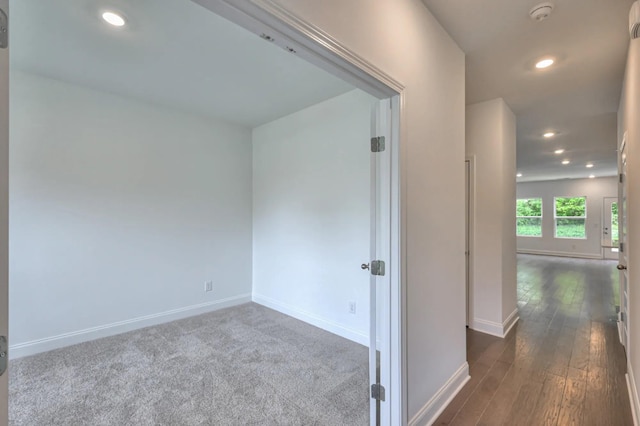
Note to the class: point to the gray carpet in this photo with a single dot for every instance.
(246, 365)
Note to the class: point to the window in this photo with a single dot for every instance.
(571, 217)
(529, 217)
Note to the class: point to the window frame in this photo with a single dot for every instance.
(530, 217)
(556, 217)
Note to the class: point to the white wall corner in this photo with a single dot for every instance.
(429, 413)
(67, 339)
(633, 394)
(495, 328)
(323, 323)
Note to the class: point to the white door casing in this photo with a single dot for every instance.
(623, 258)
(4, 215)
(609, 240)
(380, 285)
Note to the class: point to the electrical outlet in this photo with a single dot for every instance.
(208, 286)
(352, 307)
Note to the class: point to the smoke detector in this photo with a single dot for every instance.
(541, 11)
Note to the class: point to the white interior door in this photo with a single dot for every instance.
(610, 239)
(380, 282)
(622, 228)
(4, 212)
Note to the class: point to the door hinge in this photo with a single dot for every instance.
(621, 178)
(377, 392)
(4, 30)
(621, 247)
(622, 316)
(3, 354)
(377, 144)
(377, 267)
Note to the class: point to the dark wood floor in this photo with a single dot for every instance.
(562, 364)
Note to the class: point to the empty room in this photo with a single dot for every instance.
(194, 217)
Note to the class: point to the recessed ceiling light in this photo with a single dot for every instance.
(519, 175)
(589, 165)
(591, 176)
(113, 19)
(565, 162)
(549, 135)
(545, 63)
(558, 151)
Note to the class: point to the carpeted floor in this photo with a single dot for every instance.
(246, 365)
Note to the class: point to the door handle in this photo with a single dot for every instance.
(364, 266)
(621, 267)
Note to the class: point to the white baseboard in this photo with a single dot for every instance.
(633, 394)
(429, 413)
(496, 328)
(561, 254)
(511, 320)
(619, 324)
(54, 342)
(323, 323)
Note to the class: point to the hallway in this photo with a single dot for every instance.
(562, 364)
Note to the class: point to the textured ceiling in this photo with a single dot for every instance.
(172, 52)
(578, 97)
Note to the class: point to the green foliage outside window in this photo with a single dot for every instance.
(573, 207)
(571, 214)
(529, 217)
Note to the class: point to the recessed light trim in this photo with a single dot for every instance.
(548, 135)
(565, 162)
(519, 175)
(544, 63)
(589, 165)
(558, 151)
(113, 18)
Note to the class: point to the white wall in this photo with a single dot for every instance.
(594, 189)
(403, 39)
(120, 210)
(311, 214)
(491, 141)
(4, 209)
(628, 123)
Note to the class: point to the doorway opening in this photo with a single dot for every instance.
(143, 190)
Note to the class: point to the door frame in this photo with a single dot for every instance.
(606, 242)
(623, 190)
(266, 18)
(470, 190)
(4, 214)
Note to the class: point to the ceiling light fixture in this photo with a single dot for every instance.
(591, 176)
(565, 162)
(589, 165)
(519, 175)
(558, 151)
(113, 18)
(545, 63)
(541, 11)
(549, 135)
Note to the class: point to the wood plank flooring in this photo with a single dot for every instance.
(562, 364)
